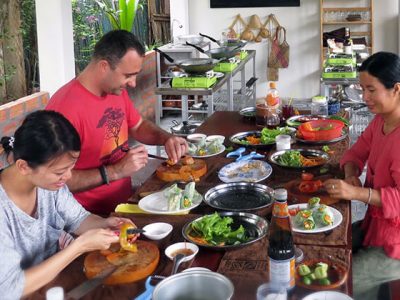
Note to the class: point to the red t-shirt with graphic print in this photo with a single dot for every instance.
(102, 124)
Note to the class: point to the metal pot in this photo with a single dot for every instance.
(194, 285)
(191, 65)
(190, 38)
(184, 128)
(218, 53)
(231, 43)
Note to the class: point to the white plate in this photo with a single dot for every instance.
(327, 295)
(220, 150)
(231, 172)
(337, 219)
(157, 204)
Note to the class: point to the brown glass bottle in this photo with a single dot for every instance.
(281, 247)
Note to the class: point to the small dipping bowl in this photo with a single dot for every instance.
(219, 138)
(189, 249)
(157, 231)
(197, 138)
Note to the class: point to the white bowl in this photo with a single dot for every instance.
(157, 231)
(219, 138)
(171, 251)
(197, 138)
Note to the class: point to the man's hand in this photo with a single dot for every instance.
(134, 160)
(175, 147)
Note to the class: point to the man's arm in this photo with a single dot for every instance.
(148, 133)
(134, 160)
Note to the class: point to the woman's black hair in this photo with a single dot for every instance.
(114, 44)
(42, 136)
(385, 66)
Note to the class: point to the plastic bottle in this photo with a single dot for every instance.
(272, 99)
(347, 44)
(281, 251)
(319, 106)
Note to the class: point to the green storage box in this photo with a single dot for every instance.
(193, 82)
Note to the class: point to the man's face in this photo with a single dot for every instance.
(124, 74)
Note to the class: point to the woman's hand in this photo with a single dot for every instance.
(115, 223)
(341, 189)
(95, 239)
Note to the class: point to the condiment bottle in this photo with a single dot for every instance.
(281, 251)
(347, 44)
(272, 99)
(319, 106)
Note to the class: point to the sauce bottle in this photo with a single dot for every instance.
(272, 99)
(281, 251)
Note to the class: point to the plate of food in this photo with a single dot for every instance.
(245, 171)
(313, 217)
(321, 274)
(225, 230)
(206, 150)
(296, 121)
(327, 295)
(259, 139)
(299, 158)
(172, 200)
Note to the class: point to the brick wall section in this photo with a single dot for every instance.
(13, 113)
(143, 95)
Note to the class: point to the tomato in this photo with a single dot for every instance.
(307, 176)
(293, 212)
(308, 186)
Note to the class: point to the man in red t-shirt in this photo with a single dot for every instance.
(98, 105)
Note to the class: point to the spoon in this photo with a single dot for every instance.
(178, 259)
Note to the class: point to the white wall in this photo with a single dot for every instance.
(301, 79)
(55, 43)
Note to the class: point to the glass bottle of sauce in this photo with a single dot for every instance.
(281, 251)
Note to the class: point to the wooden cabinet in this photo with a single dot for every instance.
(354, 14)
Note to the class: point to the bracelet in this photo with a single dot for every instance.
(369, 196)
(104, 175)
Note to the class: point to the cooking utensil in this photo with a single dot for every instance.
(194, 285)
(191, 65)
(255, 228)
(89, 285)
(184, 128)
(157, 157)
(308, 153)
(230, 43)
(178, 259)
(224, 52)
(239, 196)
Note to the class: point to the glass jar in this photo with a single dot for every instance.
(319, 106)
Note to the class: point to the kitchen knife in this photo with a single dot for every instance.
(89, 285)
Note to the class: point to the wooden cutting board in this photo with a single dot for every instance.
(182, 172)
(132, 266)
(293, 193)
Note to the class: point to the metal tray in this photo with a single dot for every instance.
(292, 121)
(305, 152)
(239, 196)
(255, 227)
(338, 139)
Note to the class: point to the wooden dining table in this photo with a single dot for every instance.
(246, 267)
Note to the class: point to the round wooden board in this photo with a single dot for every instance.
(133, 266)
(181, 171)
(293, 193)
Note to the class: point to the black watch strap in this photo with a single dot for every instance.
(104, 175)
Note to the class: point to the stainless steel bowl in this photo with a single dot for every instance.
(274, 157)
(184, 128)
(239, 196)
(255, 228)
(248, 113)
(190, 38)
(194, 285)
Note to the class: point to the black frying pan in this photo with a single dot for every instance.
(218, 53)
(191, 65)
